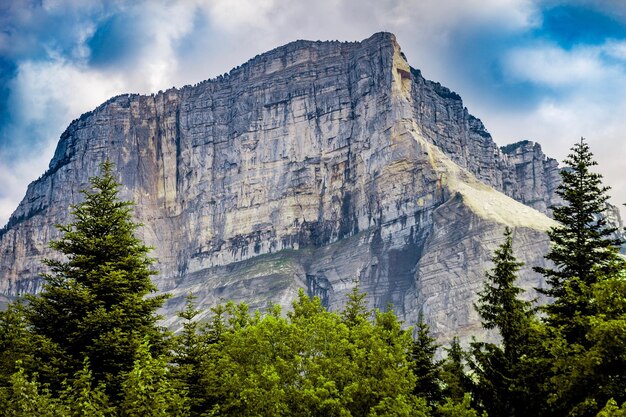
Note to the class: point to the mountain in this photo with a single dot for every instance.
(315, 165)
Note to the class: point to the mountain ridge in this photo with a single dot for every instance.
(338, 161)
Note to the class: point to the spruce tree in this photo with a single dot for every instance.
(426, 369)
(505, 371)
(499, 305)
(456, 381)
(585, 319)
(95, 303)
(584, 247)
(587, 377)
(191, 347)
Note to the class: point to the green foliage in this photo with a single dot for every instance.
(455, 408)
(499, 305)
(14, 341)
(426, 369)
(25, 398)
(587, 376)
(611, 409)
(94, 302)
(401, 406)
(190, 348)
(81, 399)
(586, 321)
(583, 246)
(505, 371)
(147, 391)
(455, 380)
(310, 363)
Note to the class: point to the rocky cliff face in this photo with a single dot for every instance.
(536, 177)
(315, 165)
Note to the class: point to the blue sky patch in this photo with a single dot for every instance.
(117, 40)
(144, 45)
(570, 26)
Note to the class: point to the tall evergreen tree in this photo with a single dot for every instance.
(499, 305)
(191, 347)
(425, 367)
(584, 247)
(500, 308)
(95, 300)
(456, 381)
(506, 371)
(585, 348)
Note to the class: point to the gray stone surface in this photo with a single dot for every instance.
(315, 165)
(536, 177)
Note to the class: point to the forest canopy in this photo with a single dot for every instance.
(90, 342)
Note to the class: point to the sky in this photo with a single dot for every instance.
(543, 70)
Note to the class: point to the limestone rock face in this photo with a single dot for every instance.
(315, 165)
(536, 176)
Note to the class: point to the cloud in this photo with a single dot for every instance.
(51, 85)
(553, 66)
(517, 63)
(45, 96)
(17, 173)
(558, 124)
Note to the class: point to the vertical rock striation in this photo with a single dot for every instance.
(536, 177)
(315, 165)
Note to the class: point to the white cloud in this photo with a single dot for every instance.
(165, 23)
(231, 16)
(553, 66)
(558, 123)
(616, 49)
(17, 174)
(50, 91)
(46, 96)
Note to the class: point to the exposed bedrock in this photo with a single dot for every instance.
(315, 165)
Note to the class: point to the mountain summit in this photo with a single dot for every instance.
(315, 165)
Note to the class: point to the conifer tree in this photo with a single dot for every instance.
(584, 247)
(499, 305)
(503, 370)
(191, 347)
(426, 369)
(456, 381)
(355, 310)
(585, 348)
(587, 377)
(95, 301)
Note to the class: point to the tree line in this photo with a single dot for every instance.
(89, 344)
